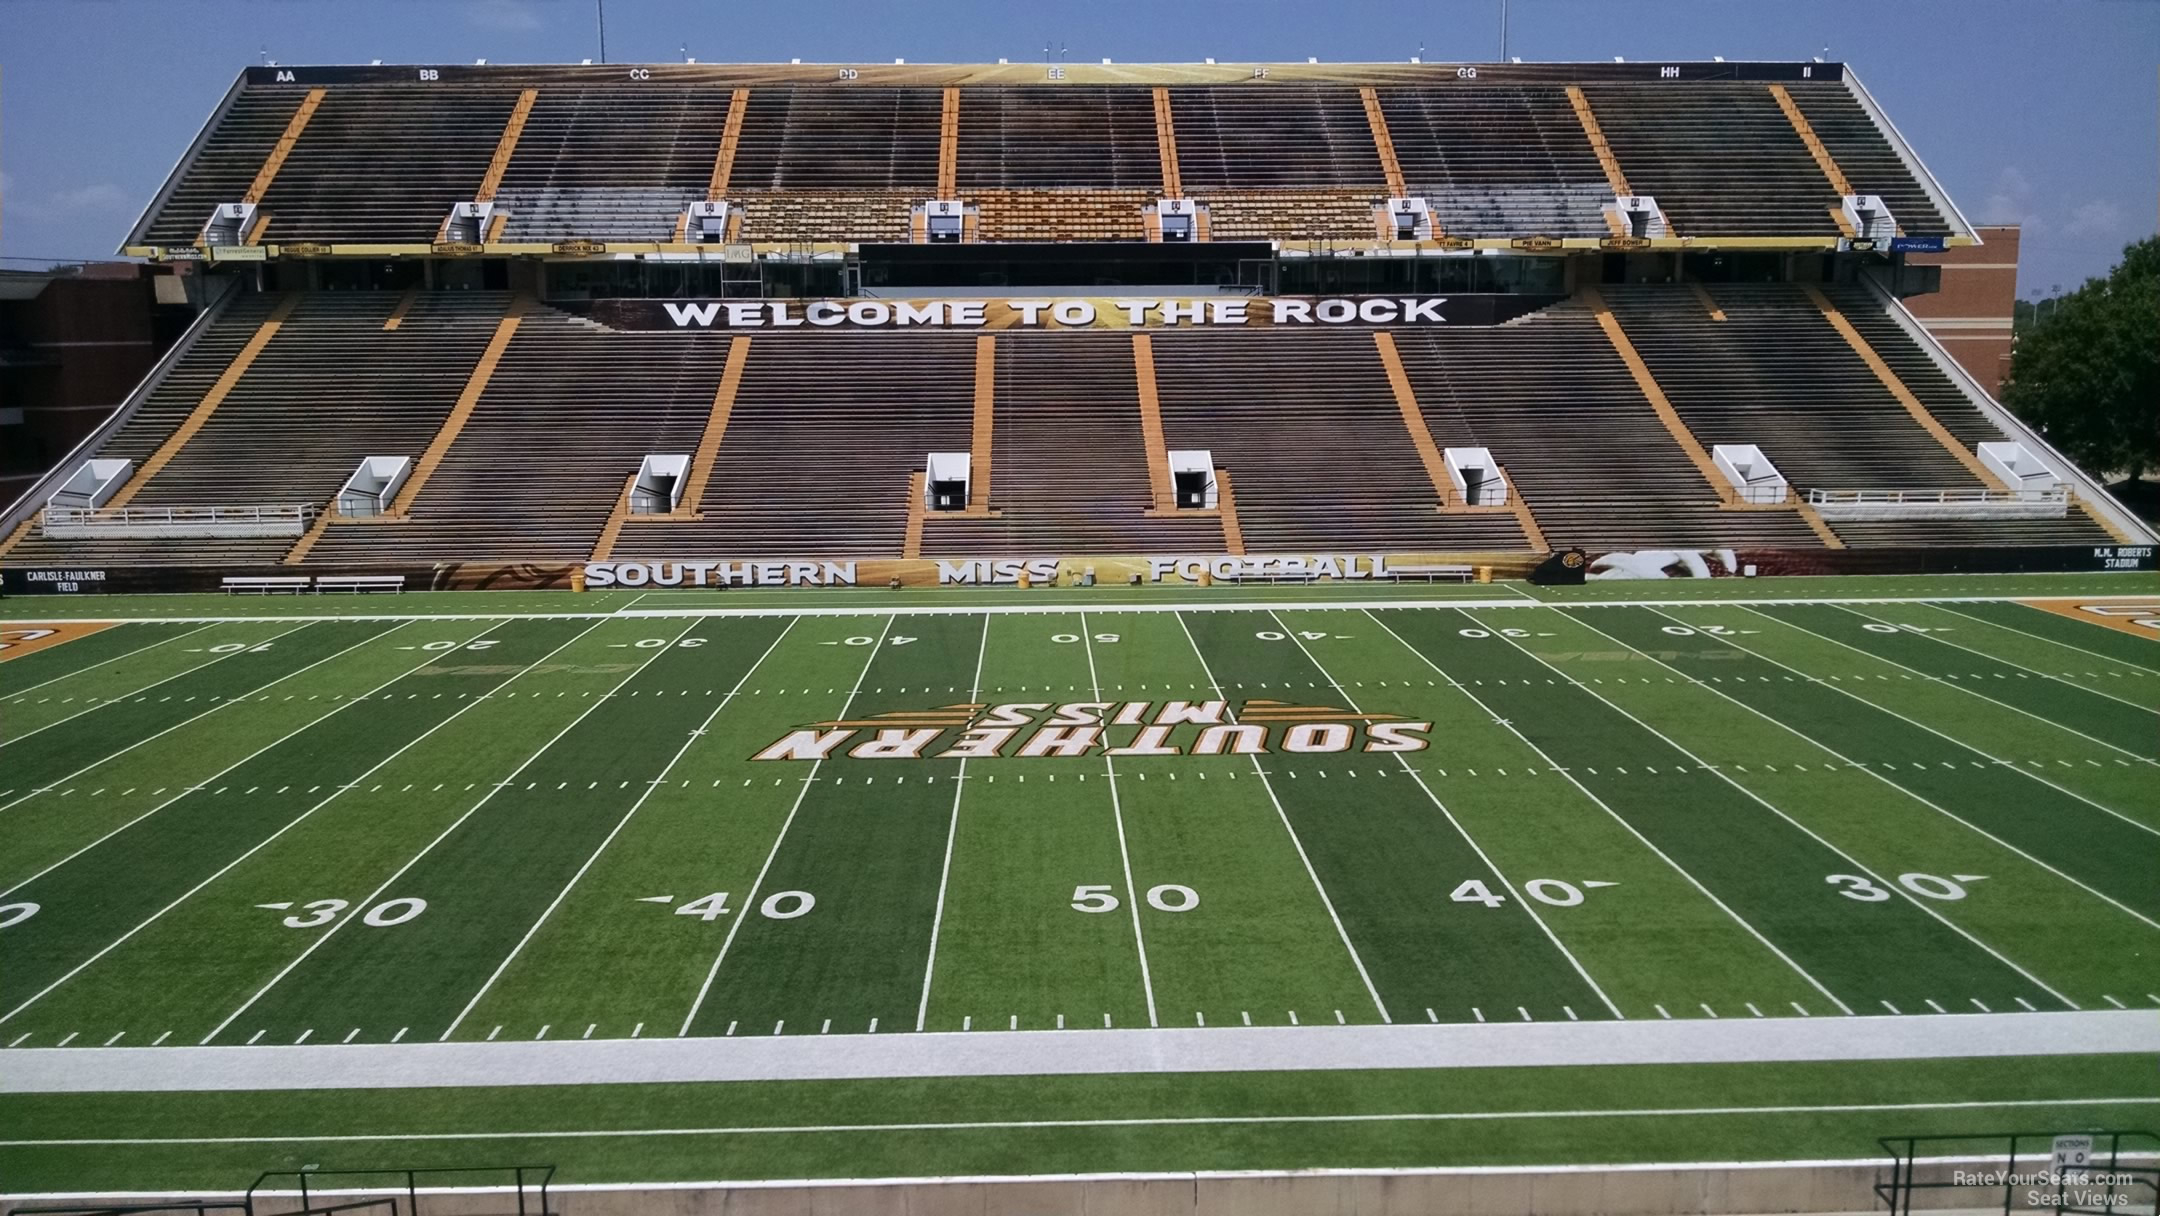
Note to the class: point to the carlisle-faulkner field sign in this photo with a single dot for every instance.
(973, 731)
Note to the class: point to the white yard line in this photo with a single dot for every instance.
(1261, 771)
(1117, 817)
(1483, 858)
(1076, 1052)
(1995, 658)
(13, 693)
(1859, 866)
(216, 706)
(1892, 782)
(620, 824)
(952, 833)
(1950, 738)
(1661, 855)
(2041, 637)
(354, 912)
(758, 883)
(134, 693)
(265, 842)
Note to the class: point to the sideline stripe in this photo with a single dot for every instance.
(1407, 1171)
(1678, 1112)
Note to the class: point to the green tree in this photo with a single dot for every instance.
(2087, 374)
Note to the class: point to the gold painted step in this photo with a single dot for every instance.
(211, 400)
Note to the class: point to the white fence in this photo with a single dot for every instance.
(1839, 505)
(152, 522)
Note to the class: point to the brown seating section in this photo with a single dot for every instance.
(1864, 155)
(1777, 375)
(796, 138)
(1292, 215)
(1315, 444)
(385, 163)
(1498, 160)
(827, 428)
(570, 412)
(1069, 468)
(1721, 159)
(825, 431)
(1552, 401)
(602, 163)
(1921, 375)
(1275, 137)
(806, 216)
(232, 153)
(1052, 138)
(163, 409)
(1063, 215)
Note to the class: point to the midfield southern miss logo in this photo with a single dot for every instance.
(973, 731)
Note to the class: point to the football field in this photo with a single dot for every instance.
(676, 819)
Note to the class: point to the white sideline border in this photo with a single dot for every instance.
(1506, 1116)
(1223, 1049)
(1409, 1171)
(962, 609)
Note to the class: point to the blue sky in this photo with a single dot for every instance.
(2041, 112)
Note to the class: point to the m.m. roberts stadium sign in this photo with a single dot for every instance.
(1038, 729)
(1071, 312)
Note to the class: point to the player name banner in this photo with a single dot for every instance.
(715, 575)
(1069, 312)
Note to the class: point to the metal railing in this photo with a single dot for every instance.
(527, 1180)
(2117, 1173)
(254, 520)
(204, 1207)
(2060, 494)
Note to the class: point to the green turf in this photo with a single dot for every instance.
(104, 607)
(520, 827)
(1547, 1116)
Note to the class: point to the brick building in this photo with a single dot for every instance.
(1971, 316)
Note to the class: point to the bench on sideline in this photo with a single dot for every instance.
(297, 584)
(1431, 574)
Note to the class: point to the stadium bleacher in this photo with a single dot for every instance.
(527, 410)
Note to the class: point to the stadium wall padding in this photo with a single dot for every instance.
(875, 573)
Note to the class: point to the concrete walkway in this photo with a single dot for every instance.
(1064, 1052)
